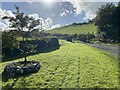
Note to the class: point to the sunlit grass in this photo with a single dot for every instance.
(74, 65)
(77, 29)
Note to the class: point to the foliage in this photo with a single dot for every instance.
(107, 22)
(86, 37)
(23, 22)
(9, 39)
(9, 43)
(0, 43)
(74, 65)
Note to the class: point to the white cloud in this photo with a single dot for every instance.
(48, 23)
(34, 16)
(4, 24)
(25, 29)
(64, 13)
(89, 8)
(60, 4)
(9, 13)
(55, 26)
(29, 1)
(92, 0)
(44, 24)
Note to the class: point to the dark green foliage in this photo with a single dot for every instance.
(1, 43)
(36, 46)
(69, 39)
(82, 37)
(86, 37)
(9, 43)
(54, 42)
(107, 22)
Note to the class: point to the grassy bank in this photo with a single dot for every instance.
(75, 29)
(74, 65)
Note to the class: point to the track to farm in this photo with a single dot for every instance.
(112, 49)
(74, 65)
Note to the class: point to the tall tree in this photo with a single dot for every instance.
(23, 22)
(105, 20)
(117, 22)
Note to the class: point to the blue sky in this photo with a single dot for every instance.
(61, 13)
(53, 11)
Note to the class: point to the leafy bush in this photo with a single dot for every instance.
(9, 43)
(107, 20)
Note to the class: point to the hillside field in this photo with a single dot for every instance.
(75, 29)
(73, 65)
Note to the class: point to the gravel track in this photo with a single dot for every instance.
(109, 48)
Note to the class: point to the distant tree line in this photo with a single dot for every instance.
(81, 37)
(107, 20)
(83, 23)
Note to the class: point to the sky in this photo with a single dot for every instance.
(53, 13)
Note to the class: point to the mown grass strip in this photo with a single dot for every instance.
(73, 65)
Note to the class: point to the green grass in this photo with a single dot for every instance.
(76, 29)
(74, 65)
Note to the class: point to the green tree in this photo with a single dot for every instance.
(105, 21)
(21, 22)
(117, 22)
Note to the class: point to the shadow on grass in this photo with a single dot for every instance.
(15, 79)
(10, 86)
(6, 77)
(43, 50)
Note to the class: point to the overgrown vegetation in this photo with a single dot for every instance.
(107, 20)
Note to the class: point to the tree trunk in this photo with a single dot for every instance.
(25, 57)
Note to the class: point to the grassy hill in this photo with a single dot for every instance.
(73, 65)
(75, 29)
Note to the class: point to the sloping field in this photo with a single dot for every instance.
(74, 65)
(75, 29)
